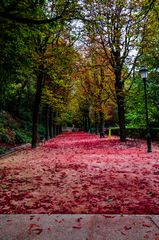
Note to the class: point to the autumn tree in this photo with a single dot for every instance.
(119, 27)
(28, 14)
(150, 58)
(61, 57)
(95, 88)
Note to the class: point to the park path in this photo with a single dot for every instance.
(81, 173)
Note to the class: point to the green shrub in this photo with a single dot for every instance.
(27, 126)
(135, 132)
(4, 136)
(41, 129)
(3, 150)
(21, 137)
(13, 126)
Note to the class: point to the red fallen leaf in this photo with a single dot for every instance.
(9, 220)
(127, 228)
(156, 165)
(146, 225)
(59, 221)
(97, 165)
(38, 231)
(79, 219)
(35, 228)
(146, 236)
(33, 225)
(78, 227)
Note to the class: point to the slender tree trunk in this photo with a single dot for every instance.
(89, 123)
(51, 123)
(47, 134)
(54, 124)
(96, 123)
(60, 128)
(121, 116)
(54, 130)
(121, 107)
(57, 130)
(85, 122)
(101, 115)
(37, 108)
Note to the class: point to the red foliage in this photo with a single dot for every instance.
(81, 173)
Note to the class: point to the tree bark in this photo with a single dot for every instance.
(54, 124)
(96, 123)
(101, 115)
(37, 108)
(89, 123)
(121, 107)
(121, 116)
(47, 132)
(51, 123)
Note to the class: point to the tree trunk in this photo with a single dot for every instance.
(96, 123)
(47, 134)
(121, 116)
(101, 115)
(51, 123)
(60, 129)
(57, 130)
(84, 122)
(121, 107)
(37, 108)
(54, 124)
(54, 130)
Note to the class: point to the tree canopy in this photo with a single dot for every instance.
(77, 62)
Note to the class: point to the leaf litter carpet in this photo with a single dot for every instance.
(81, 173)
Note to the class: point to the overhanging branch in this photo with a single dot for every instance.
(25, 20)
(28, 20)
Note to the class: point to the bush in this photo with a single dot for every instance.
(27, 126)
(4, 136)
(134, 132)
(41, 130)
(3, 150)
(21, 137)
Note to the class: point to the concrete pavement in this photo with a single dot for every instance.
(79, 227)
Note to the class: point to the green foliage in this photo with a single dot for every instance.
(21, 137)
(5, 138)
(26, 126)
(41, 130)
(6, 135)
(3, 150)
(12, 131)
(25, 48)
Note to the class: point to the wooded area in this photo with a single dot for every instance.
(76, 63)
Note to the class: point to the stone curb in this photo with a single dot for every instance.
(79, 227)
(14, 150)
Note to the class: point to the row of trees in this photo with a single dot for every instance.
(50, 69)
(37, 60)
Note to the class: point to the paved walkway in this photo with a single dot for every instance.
(79, 227)
(79, 174)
